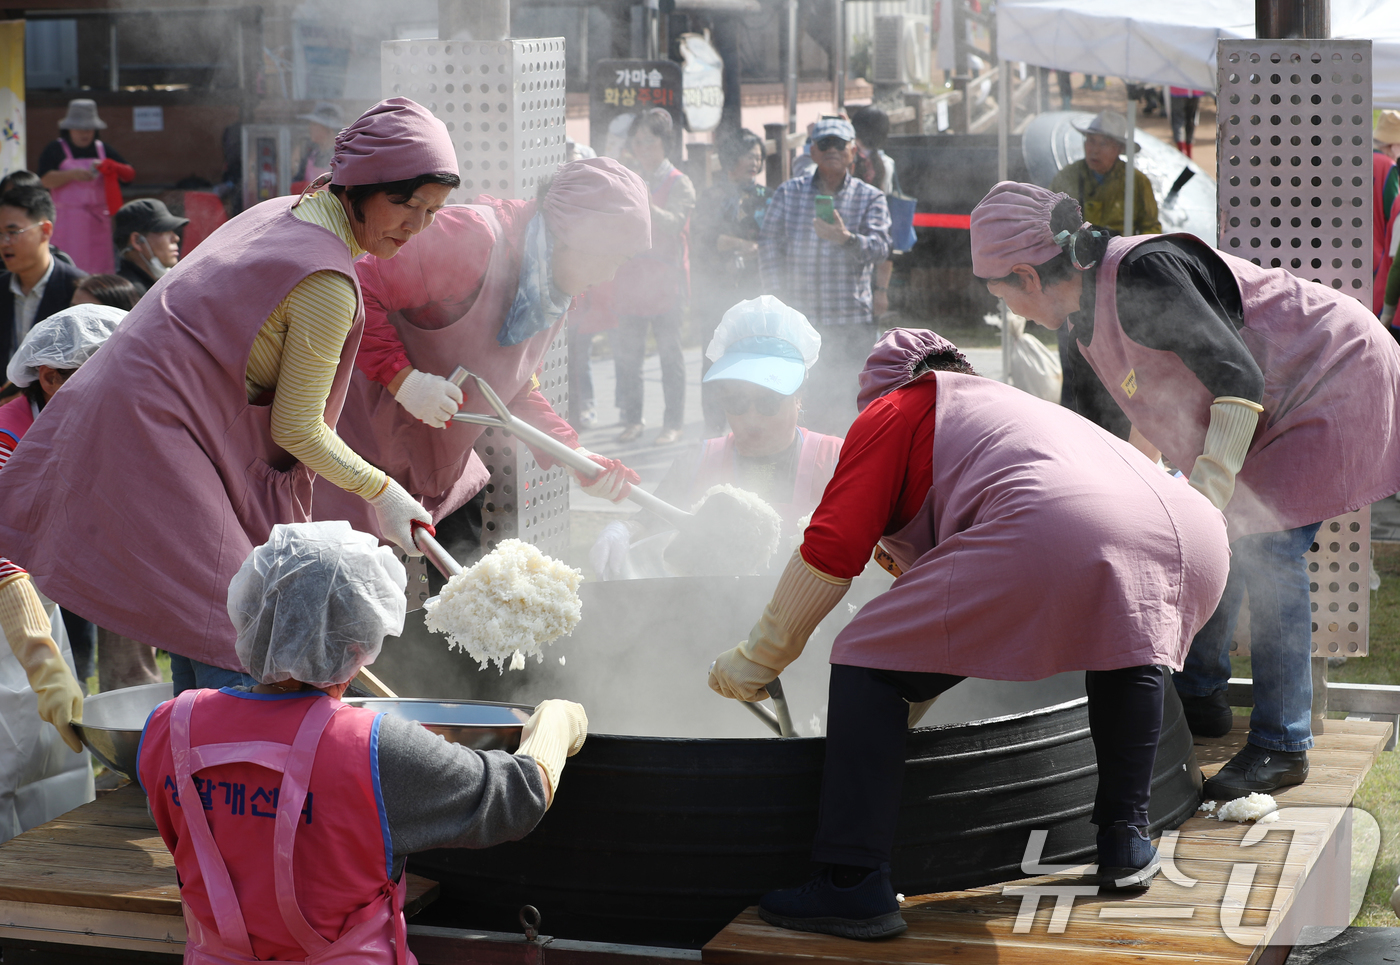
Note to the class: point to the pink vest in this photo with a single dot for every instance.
(1328, 441)
(287, 858)
(81, 225)
(436, 465)
(151, 477)
(816, 461)
(1045, 545)
(16, 416)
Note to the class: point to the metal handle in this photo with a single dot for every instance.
(543, 441)
(435, 553)
(780, 704)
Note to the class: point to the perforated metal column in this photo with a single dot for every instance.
(1294, 149)
(524, 501)
(502, 101)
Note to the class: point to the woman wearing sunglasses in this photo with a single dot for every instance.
(761, 354)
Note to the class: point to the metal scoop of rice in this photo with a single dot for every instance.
(508, 605)
(733, 533)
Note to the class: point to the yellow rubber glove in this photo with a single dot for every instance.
(1231, 429)
(26, 626)
(557, 730)
(803, 598)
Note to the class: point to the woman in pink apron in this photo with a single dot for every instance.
(761, 353)
(207, 416)
(1027, 542)
(76, 169)
(1276, 396)
(485, 287)
(289, 814)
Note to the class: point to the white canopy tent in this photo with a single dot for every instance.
(1175, 42)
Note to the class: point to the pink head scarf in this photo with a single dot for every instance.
(894, 358)
(1011, 226)
(595, 202)
(395, 140)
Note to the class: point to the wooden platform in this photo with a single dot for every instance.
(100, 876)
(1232, 895)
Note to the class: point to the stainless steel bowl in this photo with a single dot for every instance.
(482, 725)
(112, 723)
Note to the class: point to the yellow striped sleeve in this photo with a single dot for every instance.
(317, 314)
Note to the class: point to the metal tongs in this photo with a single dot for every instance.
(779, 723)
(506, 420)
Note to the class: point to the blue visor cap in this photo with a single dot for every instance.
(773, 363)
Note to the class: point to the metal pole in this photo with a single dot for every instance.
(1003, 172)
(1281, 19)
(1129, 150)
(838, 55)
(790, 85)
(473, 19)
(115, 71)
(961, 65)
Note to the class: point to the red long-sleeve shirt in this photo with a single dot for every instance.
(881, 480)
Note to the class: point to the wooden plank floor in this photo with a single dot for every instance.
(108, 855)
(1169, 924)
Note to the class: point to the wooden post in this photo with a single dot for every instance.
(1319, 688)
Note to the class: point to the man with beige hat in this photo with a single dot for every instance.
(1386, 143)
(1097, 182)
(82, 174)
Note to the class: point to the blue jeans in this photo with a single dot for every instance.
(190, 674)
(1271, 567)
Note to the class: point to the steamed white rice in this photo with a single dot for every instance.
(1255, 807)
(508, 605)
(750, 534)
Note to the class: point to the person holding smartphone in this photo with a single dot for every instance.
(822, 236)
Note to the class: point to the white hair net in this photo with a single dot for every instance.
(315, 602)
(765, 316)
(64, 340)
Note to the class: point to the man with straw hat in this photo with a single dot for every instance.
(1098, 180)
(83, 174)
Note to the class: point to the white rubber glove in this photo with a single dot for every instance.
(609, 552)
(610, 484)
(27, 627)
(556, 731)
(395, 509)
(1388, 315)
(429, 398)
(1232, 424)
(804, 596)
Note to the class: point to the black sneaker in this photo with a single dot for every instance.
(1127, 860)
(1208, 716)
(866, 911)
(1257, 770)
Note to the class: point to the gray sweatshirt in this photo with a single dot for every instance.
(442, 795)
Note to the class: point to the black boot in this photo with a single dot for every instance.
(1127, 860)
(866, 910)
(1208, 716)
(1257, 770)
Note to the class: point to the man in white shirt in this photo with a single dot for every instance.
(34, 285)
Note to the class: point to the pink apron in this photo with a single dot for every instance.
(436, 465)
(153, 462)
(82, 226)
(816, 461)
(16, 416)
(324, 821)
(1328, 441)
(1045, 545)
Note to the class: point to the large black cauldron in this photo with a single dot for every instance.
(663, 839)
